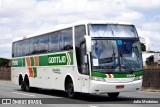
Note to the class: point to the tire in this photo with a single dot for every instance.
(26, 83)
(113, 95)
(70, 89)
(23, 86)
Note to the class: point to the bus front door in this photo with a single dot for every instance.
(84, 69)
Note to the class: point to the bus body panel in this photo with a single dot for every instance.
(47, 78)
(103, 87)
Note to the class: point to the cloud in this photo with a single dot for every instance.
(20, 17)
(130, 16)
(143, 5)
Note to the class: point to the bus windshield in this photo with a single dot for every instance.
(113, 56)
(112, 30)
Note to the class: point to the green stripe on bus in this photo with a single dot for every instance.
(139, 73)
(98, 74)
(17, 62)
(71, 56)
(47, 60)
(32, 61)
(35, 71)
(23, 59)
(135, 74)
(43, 60)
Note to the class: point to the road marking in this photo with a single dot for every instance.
(92, 106)
(23, 94)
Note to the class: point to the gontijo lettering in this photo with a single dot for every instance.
(59, 59)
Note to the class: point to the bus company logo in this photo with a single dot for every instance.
(58, 59)
(15, 62)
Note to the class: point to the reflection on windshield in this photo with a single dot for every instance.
(116, 56)
(104, 55)
(130, 54)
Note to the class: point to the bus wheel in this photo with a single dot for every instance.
(70, 89)
(22, 86)
(113, 95)
(26, 83)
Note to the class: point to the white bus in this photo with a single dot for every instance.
(89, 57)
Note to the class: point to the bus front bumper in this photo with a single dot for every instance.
(104, 87)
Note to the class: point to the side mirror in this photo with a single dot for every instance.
(88, 43)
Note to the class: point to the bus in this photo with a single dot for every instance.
(95, 57)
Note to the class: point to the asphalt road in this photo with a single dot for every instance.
(59, 98)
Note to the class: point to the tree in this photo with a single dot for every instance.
(4, 62)
(143, 47)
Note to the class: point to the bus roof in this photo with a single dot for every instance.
(64, 26)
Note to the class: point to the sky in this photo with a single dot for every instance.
(20, 18)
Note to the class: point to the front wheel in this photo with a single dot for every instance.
(113, 95)
(70, 89)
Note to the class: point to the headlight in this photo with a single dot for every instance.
(138, 78)
(97, 78)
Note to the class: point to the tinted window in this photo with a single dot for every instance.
(13, 50)
(79, 36)
(66, 39)
(34, 45)
(54, 42)
(25, 47)
(43, 43)
(19, 49)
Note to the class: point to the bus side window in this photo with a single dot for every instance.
(34, 45)
(54, 42)
(14, 50)
(43, 43)
(25, 47)
(18, 49)
(66, 39)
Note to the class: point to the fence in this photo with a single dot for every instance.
(151, 79)
(151, 67)
(5, 73)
